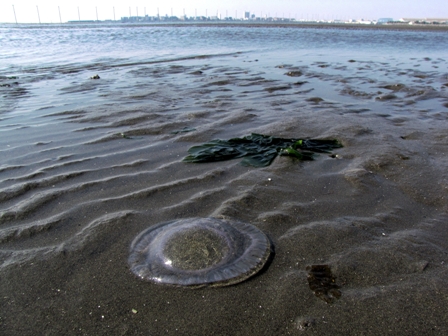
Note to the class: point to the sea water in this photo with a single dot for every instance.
(44, 55)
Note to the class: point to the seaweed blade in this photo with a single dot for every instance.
(259, 150)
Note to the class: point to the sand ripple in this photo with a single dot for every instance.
(100, 161)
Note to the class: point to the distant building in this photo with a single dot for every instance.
(362, 21)
(246, 15)
(385, 20)
(425, 20)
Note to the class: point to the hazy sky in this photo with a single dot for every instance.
(26, 11)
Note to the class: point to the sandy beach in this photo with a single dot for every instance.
(82, 180)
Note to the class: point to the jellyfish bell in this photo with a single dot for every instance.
(199, 252)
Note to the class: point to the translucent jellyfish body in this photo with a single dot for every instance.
(199, 252)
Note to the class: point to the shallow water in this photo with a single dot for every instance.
(88, 164)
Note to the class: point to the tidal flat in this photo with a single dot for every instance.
(360, 234)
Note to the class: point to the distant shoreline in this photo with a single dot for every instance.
(317, 25)
(307, 25)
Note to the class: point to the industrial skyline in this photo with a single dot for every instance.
(52, 11)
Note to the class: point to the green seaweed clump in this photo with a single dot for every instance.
(259, 150)
(184, 130)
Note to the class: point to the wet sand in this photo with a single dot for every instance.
(79, 183)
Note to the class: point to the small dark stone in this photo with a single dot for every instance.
(393, 87)
(294, 73)
(419, 75)
(355, 93)
(221, 82)
(184, 130)
(315, 100)
(277, 88)
(304, 323)
(386, 97)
